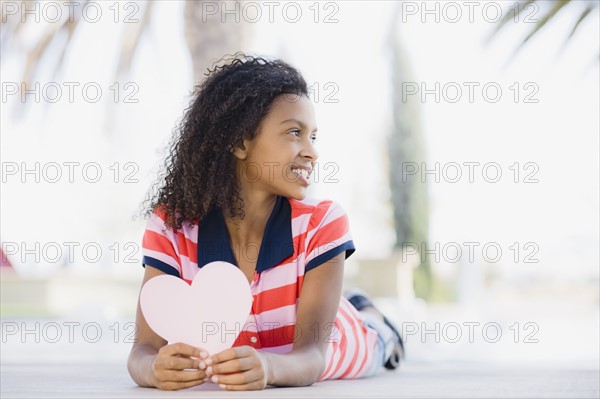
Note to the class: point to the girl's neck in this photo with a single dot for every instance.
(257, 210)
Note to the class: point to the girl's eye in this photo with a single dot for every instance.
(298, 132)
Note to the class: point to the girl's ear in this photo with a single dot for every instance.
(240, 152)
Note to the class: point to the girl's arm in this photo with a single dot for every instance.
(318, 304)
(305, 363)
(153, 363)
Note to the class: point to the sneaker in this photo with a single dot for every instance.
(360, 300)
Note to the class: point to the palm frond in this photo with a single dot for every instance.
(131, 40)
(555, 8)
(63, 33)
(38, 51)
(542, 22)
(581, 18)
(507, 16)
(70, 30)
(15, 23)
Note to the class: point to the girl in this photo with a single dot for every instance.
(234, 190)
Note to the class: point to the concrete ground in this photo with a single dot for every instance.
(412, 381)
(85, 355)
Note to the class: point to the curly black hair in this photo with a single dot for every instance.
(199, 172)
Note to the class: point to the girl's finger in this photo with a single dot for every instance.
(183, 376)
(227, 354)
(253, 386)
(180, 348)
(244, 378)
(232, 366)
(173, 385)
(177, 363)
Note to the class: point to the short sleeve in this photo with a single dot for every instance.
(159, 245)
(328, 234)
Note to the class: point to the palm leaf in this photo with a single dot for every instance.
(69, 28)
(12, 28)
(556, 7)
(581, 18)
(549, 15)
(507, 16)
(131, 40)
(35, 55)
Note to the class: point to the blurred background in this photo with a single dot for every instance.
(460, 137)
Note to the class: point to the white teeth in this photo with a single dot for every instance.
(302, 172)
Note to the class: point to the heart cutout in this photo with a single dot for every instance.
(209, 314)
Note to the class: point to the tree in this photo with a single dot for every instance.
(406, 147)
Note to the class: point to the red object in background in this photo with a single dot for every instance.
(4, 262)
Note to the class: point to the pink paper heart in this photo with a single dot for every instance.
(210, 313)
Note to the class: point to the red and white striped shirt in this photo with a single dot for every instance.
(299, 236)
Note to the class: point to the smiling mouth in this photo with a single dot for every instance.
(302, 174)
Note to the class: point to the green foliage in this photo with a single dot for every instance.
(406, 147)
(431, 288)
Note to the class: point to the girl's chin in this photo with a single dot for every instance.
(298, 194)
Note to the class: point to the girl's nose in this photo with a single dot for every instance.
(310, 151)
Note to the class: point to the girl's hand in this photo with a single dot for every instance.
(170, 364)
(241, 368)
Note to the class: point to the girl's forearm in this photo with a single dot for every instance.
(301, 367)
(139, 364)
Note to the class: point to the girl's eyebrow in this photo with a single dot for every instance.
(302, 125)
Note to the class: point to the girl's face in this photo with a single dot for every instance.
(285, 142)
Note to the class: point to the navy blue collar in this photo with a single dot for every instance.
(277, 242)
